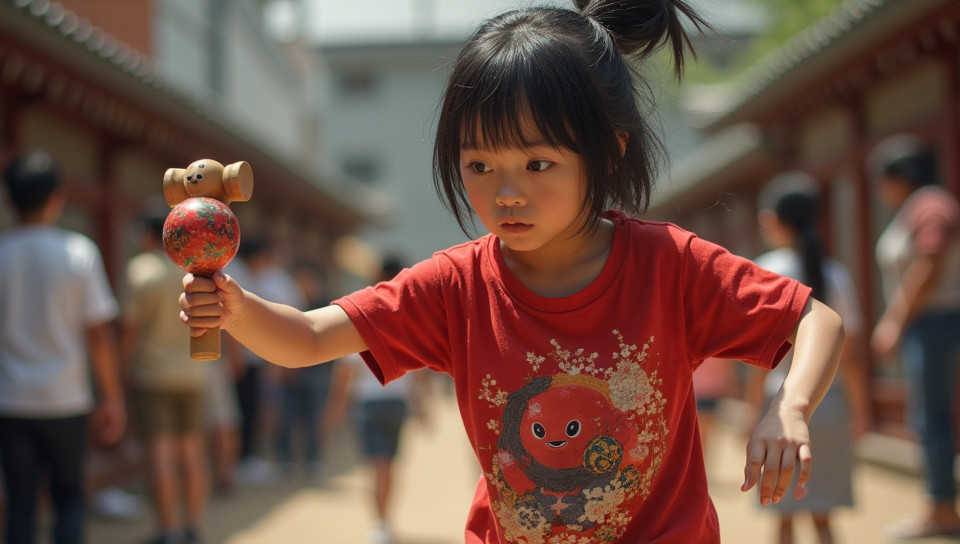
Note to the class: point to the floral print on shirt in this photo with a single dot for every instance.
(574, 448)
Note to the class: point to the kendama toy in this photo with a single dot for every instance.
(201, 234)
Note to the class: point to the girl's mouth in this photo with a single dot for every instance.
(515, 227)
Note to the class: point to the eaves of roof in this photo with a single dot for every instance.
(852, 30)
(713, 163)
(60, 35)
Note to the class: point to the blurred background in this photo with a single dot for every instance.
(333, 105)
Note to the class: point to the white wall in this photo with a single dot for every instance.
(259, 91)
(394, 125)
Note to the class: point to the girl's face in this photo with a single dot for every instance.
(530, 197)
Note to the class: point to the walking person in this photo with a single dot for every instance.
(789, 211)
(56, 307)
(380, 413)
(304, 393)
(919, 258)
(258, 386)
(572, 329)
(167, 388)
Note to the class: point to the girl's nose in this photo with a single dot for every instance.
(510, 195)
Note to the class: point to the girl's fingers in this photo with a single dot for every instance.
(202, 304)
(785, 465)
(771, 470)
(192, 283)
(806, 466)
(756, 453)
(201, 311)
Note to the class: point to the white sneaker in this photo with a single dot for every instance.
(381, 535)
(118, 504)
(255, 471)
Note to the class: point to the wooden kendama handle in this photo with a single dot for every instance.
(205, 347)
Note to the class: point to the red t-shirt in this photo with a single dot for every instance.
(580, 409)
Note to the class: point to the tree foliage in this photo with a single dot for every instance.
(785, 19)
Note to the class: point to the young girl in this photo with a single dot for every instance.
(789, 208)
(571, 331)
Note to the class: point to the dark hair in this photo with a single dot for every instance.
(31, 178)
(919, 168)
(795, 198)
(254, 245)
(153, 216)
(391, 266)
(905, 157)
(569, 74)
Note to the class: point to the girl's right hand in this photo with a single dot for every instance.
(209, 302)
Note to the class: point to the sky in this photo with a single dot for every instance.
(353, 21)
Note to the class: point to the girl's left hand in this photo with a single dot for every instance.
(779, 446)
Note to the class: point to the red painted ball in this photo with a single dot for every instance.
(201, 235)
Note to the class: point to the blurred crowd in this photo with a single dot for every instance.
(156, 433)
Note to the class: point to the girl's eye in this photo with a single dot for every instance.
(538, 166)
(478, 167)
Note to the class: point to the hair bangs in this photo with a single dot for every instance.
(514, 101)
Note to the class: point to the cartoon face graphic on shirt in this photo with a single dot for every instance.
(558, 424)
(561, 434)
(574, 448)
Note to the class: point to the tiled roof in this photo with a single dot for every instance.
(132, 64)
(814, 43)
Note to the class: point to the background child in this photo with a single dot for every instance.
(571, 332)
(380, 413)
(167, 388)
(56, 308)
(789, 209)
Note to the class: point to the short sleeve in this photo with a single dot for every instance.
(136, 300)
(403, 321)
(735, 309)
(934, 220)
(101, 305)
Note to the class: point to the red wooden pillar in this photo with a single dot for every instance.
(862, 222)
(107, 212)
(950, 161)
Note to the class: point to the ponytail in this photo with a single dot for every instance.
(794, 197)
(811, 252)
(642, 26)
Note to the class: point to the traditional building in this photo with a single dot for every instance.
(872, 69)
(121, 91)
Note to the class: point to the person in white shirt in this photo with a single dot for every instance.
(56, 306)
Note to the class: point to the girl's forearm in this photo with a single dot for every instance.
(289, 337)
(818, 343)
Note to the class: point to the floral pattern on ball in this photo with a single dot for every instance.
(201, 235)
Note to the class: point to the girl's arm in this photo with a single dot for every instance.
(781, 439)
(276, 332)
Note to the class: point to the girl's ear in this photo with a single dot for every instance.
(623, 137)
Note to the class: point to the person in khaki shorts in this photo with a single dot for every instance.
(166, 388)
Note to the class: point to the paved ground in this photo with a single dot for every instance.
(436, 478)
